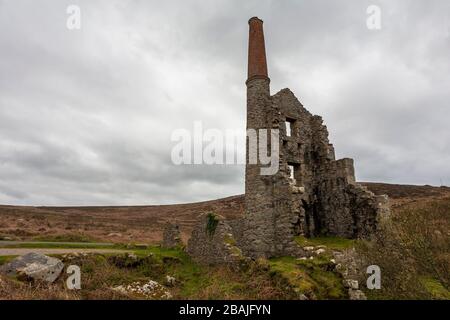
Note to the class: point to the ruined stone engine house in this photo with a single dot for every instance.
(312, 194)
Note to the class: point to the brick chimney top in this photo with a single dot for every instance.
(257, 64)
(255, 18)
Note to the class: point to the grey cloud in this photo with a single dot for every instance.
(86, 116)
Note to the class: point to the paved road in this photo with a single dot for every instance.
(7, 247)
(22, 251)
(5, 243)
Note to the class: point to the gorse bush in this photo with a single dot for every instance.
(413, 251)
(211, 223)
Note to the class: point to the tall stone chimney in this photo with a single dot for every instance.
(257, 235)
(258, 90)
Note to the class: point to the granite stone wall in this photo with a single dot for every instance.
(171, 235)
(212, 241)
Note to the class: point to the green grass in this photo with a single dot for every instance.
(161, 252)
(65, 238)
(313, 278)
(195, 281)
(330, 242)
(193, 277)
(435, 288)
(6, 259)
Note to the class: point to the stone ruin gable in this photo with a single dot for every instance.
(212, 241)
(324, 194)
(322, 199)
(171, 235)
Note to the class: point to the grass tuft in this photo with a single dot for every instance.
(211, 223)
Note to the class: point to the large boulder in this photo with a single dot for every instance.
(34, 266)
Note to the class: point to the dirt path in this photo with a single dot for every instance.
(22, 251)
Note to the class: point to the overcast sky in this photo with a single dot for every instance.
(86, 116)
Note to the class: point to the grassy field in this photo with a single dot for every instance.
(412, 249)
(277, 278)
(145, 223)
(102, 272)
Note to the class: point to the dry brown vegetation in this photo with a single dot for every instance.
(111, 224)
(11, 289)
(145, 223)
(412, 249)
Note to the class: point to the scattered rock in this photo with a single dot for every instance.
(114, 234)
(170, 281)
(333, 261)
(303, 297)
(341, 269)
(320, 251)
(150, 289)
(34, 266)
(297, 190)
(132, 256)
(308, 248)
(356, 295)
(350, 283)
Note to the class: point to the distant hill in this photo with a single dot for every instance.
(145, 223)
(398, 191)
